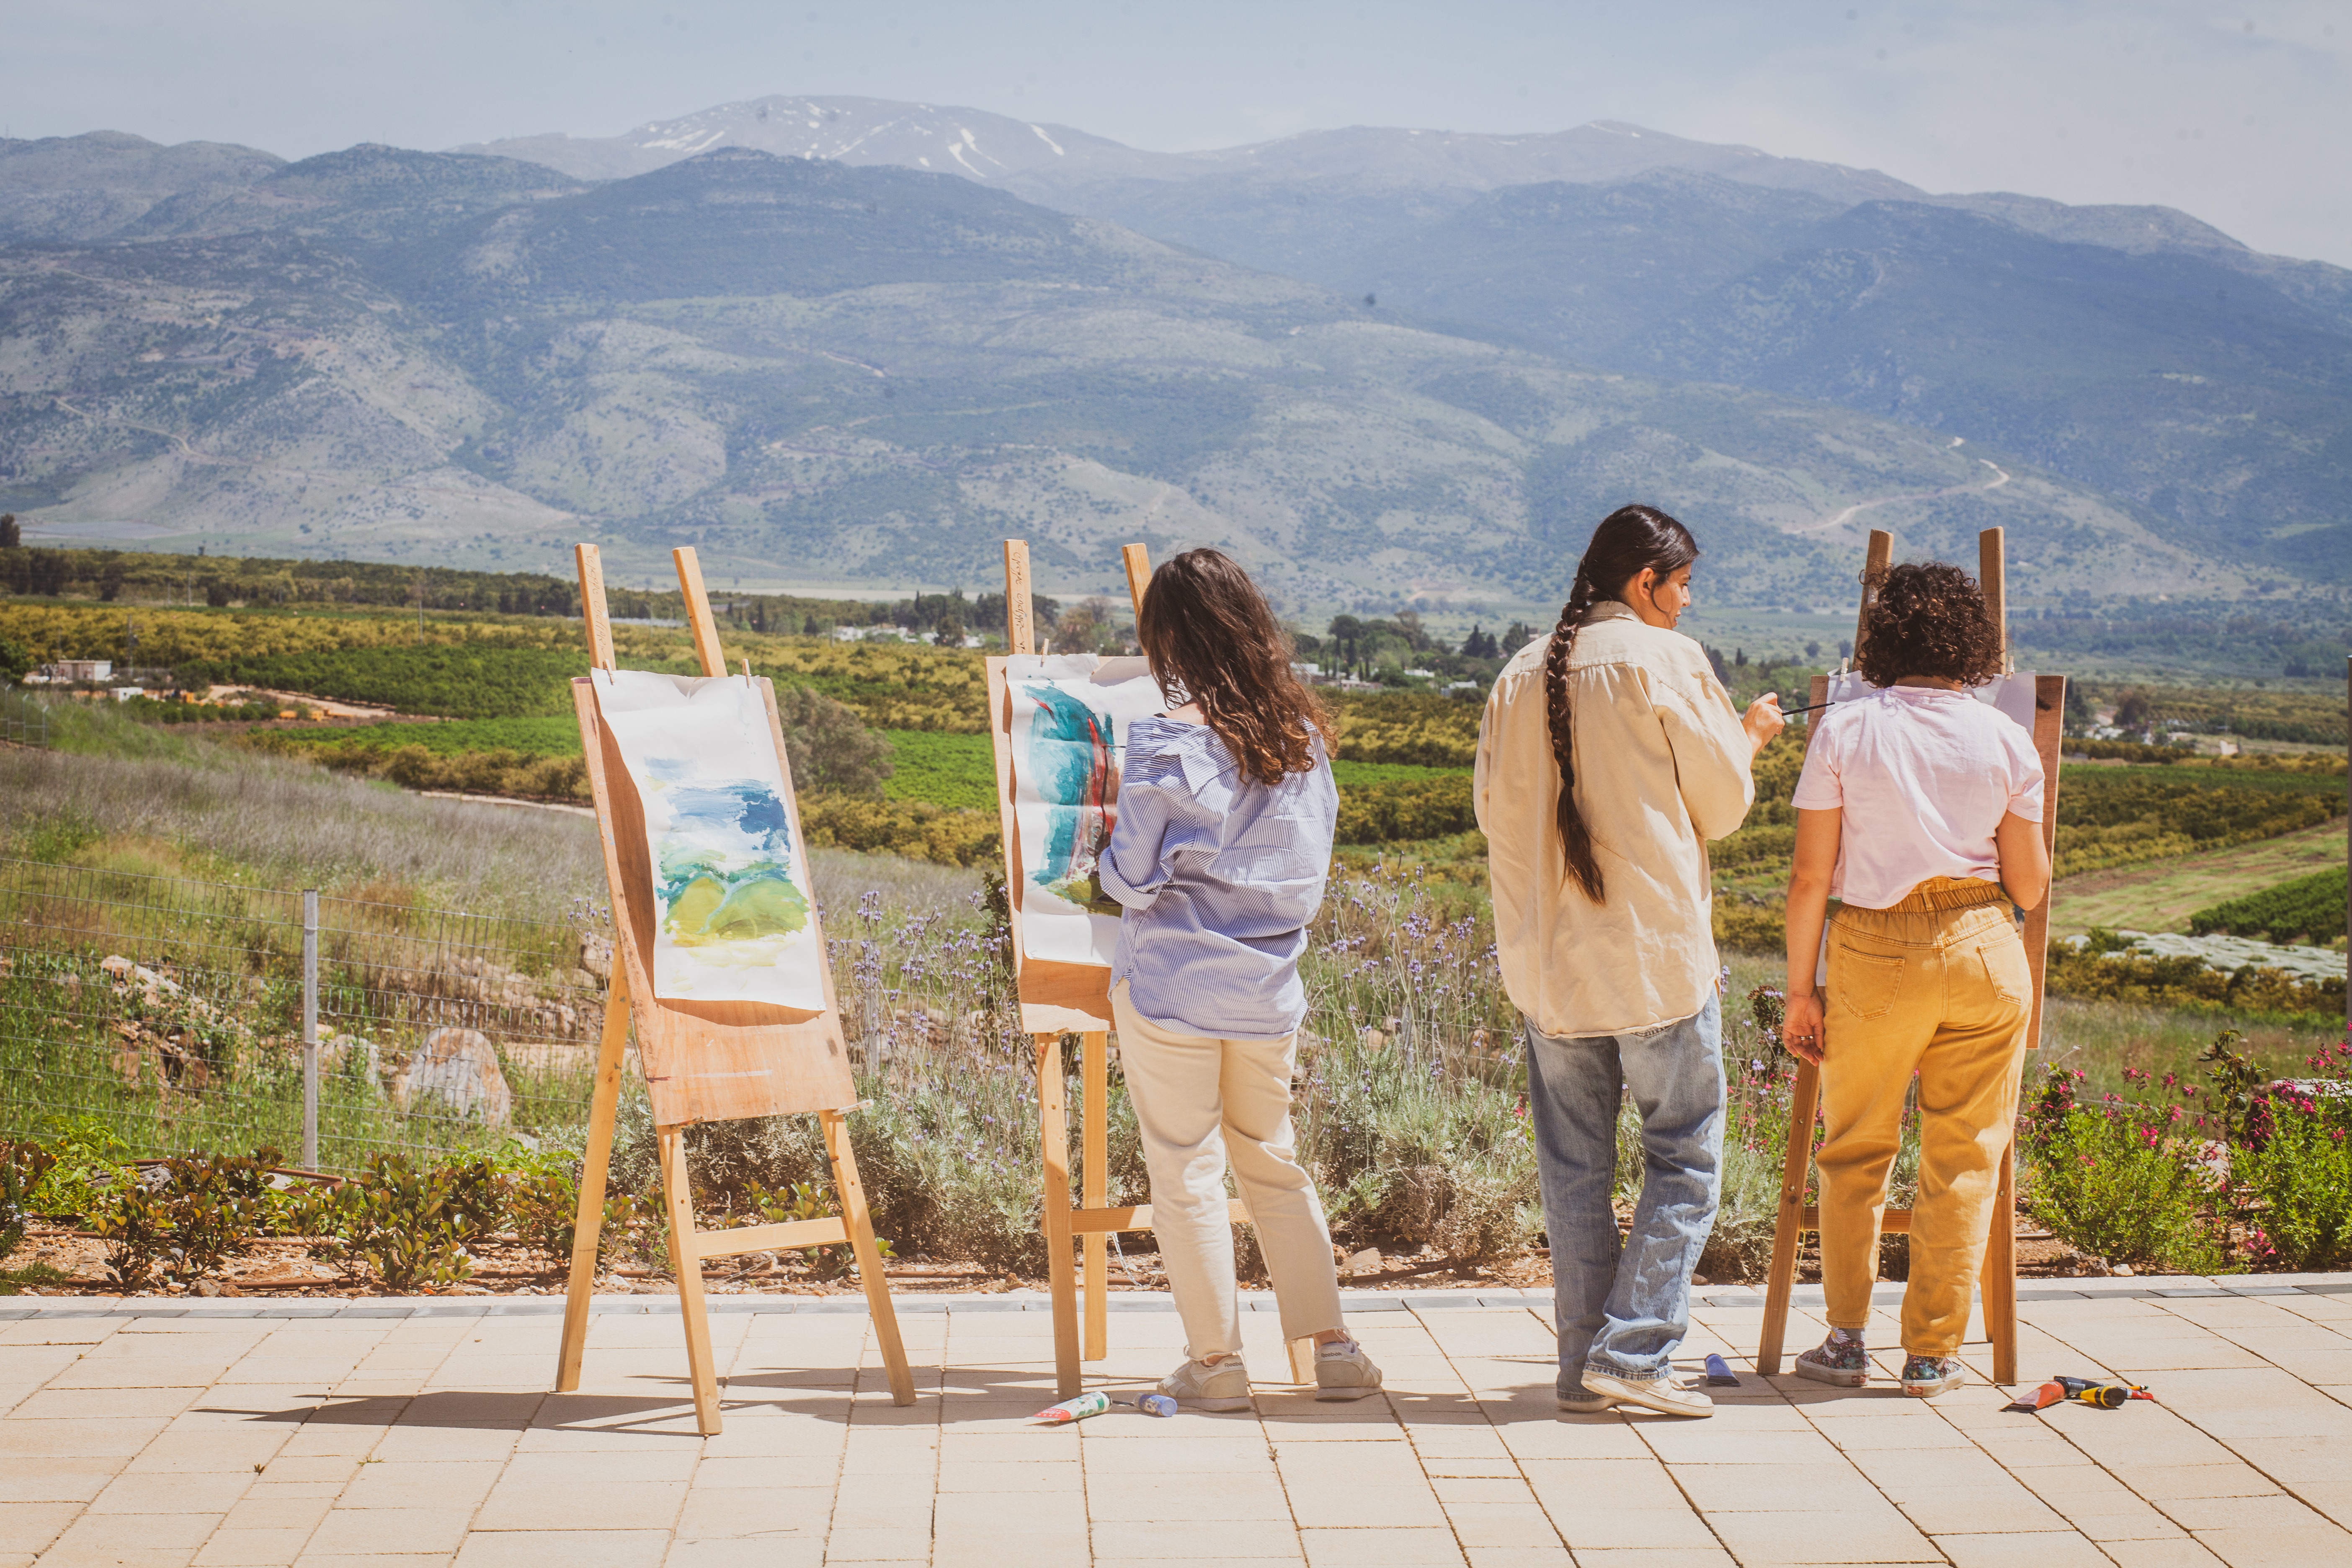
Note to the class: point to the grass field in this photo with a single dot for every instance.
(2161, 896)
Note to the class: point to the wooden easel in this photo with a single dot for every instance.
(1058, 999)
(1998, 1276)
(704, 1061)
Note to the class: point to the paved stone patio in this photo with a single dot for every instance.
(155, 1434)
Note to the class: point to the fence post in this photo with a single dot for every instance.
(310, 1029)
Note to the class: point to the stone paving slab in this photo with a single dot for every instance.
(153, 1433)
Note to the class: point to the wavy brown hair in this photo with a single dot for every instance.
(1213, 639)
(1927, 618)
(1629, 541)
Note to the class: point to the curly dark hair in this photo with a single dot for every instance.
(1928, 618)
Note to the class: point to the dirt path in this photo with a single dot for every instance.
(1831, 525)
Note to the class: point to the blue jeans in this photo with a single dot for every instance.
(1621, 1308)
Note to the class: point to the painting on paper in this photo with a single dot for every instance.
(734, 915)
(1070, 714)
(2011, 696)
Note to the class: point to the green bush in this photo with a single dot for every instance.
(2122, 1182)
(1395, 810)
(186, 1215)
(908, 827)
(2104, 970)
(409, 1226)
(2296, 1183)
(23, 1168)
(88, 1166)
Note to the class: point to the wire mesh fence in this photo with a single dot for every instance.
(173, 1010)
(23, 722)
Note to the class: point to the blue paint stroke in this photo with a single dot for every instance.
(1072, 751)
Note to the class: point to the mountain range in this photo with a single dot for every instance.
(842, 343)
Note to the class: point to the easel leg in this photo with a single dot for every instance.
(2000, 1277)
(1788, 1228)
(677, 1206)
(1095, 1191)
(854, 1214)
(594, 1164)
(1054, 1137)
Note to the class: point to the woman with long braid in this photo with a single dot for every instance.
(1608, 754)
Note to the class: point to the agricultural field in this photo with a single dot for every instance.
(2308, 908)
(2165, 895)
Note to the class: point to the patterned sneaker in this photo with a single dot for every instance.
(1924, 1376)
(1224, 1386)
(1343, 1371)
(1840, 1361)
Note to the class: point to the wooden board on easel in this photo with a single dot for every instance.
(702, 1061)
(1998, 1278)
(1056, 999)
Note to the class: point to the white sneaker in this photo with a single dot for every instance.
(1224, 1386)
(1585, 1403)
(1343, 1371)
(1657, 1394)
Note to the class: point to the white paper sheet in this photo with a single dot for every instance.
(2011, 695)
(1070, 716)
(734, 916)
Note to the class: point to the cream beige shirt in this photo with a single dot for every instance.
(1662, 765)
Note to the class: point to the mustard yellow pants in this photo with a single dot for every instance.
(1937, 985)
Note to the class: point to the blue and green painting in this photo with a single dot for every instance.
(725, 862)
(1073, 763)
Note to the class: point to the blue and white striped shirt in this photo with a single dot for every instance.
(1219, 875)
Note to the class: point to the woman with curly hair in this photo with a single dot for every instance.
(1920, 810)
(1226, 812)
(1610, 753)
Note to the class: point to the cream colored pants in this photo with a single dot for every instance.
(1937, 985)
(1197, 1100)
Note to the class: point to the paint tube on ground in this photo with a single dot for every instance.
(1155, 1405)
(2041, 1399)
(1078, 1409)
(2105, 1395)
(1720, 1373)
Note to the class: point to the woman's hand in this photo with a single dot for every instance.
(1801, 1027)
(1763, 721)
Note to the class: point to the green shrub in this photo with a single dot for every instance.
(23, 1168)
(544, 1209)
(908, 827)
(187, 1215)
(2296, 1183)
(2120, 1183)
(1394, 811)
(89, 1165)
(409, 1226)
(136, 1225)
(2104, 970)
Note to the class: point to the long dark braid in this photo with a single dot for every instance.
(1629, 541)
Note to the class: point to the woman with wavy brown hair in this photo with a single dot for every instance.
(1920, 810)
(1608, 754)
(1226, 810)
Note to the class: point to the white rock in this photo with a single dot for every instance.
(459, 1070)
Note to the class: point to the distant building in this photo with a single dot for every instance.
(76, 669)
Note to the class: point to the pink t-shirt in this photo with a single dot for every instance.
(1924, 777)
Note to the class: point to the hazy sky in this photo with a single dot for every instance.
(2240, 114)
